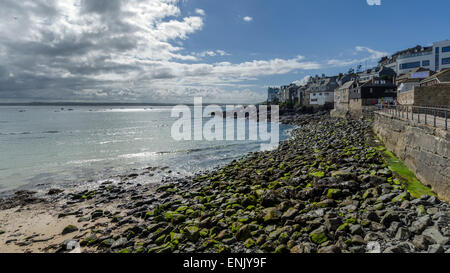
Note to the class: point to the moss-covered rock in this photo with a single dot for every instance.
(249, 243)
(69, 229)
(107, 243)
(318, 235)
(271, 215)
(178, 218)
(181, 209)
(176, 238)
(326, 203)
(192, 233)
(370, 193)
(401, 197)
(290, 213)
(89, 241)
(140, 250)
(334, 193)
(283, 238)
(169, 215)
(318, 174)
(243, 233)
(204, 232)
(282, 249)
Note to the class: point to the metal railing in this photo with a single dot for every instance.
(434, 116)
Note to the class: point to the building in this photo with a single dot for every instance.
(435, 57)
(273, 95)
(442, 77)
(432, 91)
(288, 93)
(343, 78)
(300, 95)
(441, 55)
(321, 90)
(421, 57)
(409, 81)
(341, 98)
(377, 72)
(364, 96)
(373, 91)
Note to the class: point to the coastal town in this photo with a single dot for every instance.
(417, 76)
(359, 174)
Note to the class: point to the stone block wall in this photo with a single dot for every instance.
(406, 98)
(436, 95)
(424, 149)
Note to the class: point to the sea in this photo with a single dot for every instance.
(43, 147)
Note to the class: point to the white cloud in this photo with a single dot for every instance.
(200, 12)
(247, 19)
(374, 55)
(122, 50)
(374, 2)
(303, 81)
(212, 53)
(222, 53)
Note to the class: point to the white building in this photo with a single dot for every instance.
(441, 55)
(436, 58)
(321, 98)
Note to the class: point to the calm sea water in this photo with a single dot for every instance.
(41, 147)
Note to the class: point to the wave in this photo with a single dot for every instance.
(137, 155)
(135, 110)
(209, 148)
(84, 161)
(29, 133)
(15, 133)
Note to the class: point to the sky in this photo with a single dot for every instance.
(170, 51)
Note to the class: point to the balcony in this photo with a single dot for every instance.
(411, 55)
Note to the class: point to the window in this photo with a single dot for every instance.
(446, 61)
(410, 65)
(436, 60)
(425, 63)
(446, 49)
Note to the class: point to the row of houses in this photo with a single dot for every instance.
(320, 90)
(393, 80)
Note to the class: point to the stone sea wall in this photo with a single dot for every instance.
(426, 96)
(424, 149)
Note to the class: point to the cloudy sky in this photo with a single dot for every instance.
(173, 50)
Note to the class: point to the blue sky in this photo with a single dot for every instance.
(173, 50)
(319, 29)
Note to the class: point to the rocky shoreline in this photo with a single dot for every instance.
(325, 190)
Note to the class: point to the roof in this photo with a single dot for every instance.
(443, 76)
(415, 70)
(347, 85)
(371, 83)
